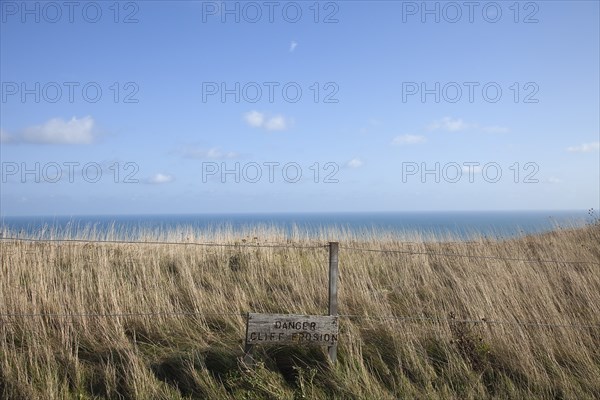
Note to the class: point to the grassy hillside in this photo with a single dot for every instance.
(81, 320)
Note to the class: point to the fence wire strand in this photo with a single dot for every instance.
(483, 321)
(205, 244)
(399, 319)
(321, 246)
(410, 252)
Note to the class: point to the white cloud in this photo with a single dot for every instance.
(408, 139)
(277, 123)
(213, 153)
(372, 123)
(449, 124)
(257, 119)
(355, 163)
(5, 137)
(584, 148)
(59, 131)
(254, 119)
(495, 129)
(475, 169)
(293, 46)
(161, 178)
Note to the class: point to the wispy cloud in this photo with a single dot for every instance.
(257, 119)
(160, 178)
(59, 131)
(584, 148)
(293, 46)
(355, 163)
(277, 123)
(408, 139)
(254, 119)
(213, 153)
(468, 169)
(5, 137)
(56, 131)
(495, 129)
(372, 123)
(450, 124)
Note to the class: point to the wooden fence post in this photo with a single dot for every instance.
(333, 278)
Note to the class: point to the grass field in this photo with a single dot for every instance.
(75, 320)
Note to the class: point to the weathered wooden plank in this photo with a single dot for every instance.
(333, 278)
(292, 329)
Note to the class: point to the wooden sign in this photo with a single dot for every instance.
(292, 329)
(298, 329)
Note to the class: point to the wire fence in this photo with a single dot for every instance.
(4, 317)
(206, 244)
(297, 246)
(430, 253)
(399, 319)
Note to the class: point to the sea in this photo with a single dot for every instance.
(460, 224)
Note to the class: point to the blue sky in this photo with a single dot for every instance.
(159, 136)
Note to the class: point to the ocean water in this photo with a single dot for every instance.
(464, 225)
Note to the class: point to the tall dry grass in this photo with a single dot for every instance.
(73, 321)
